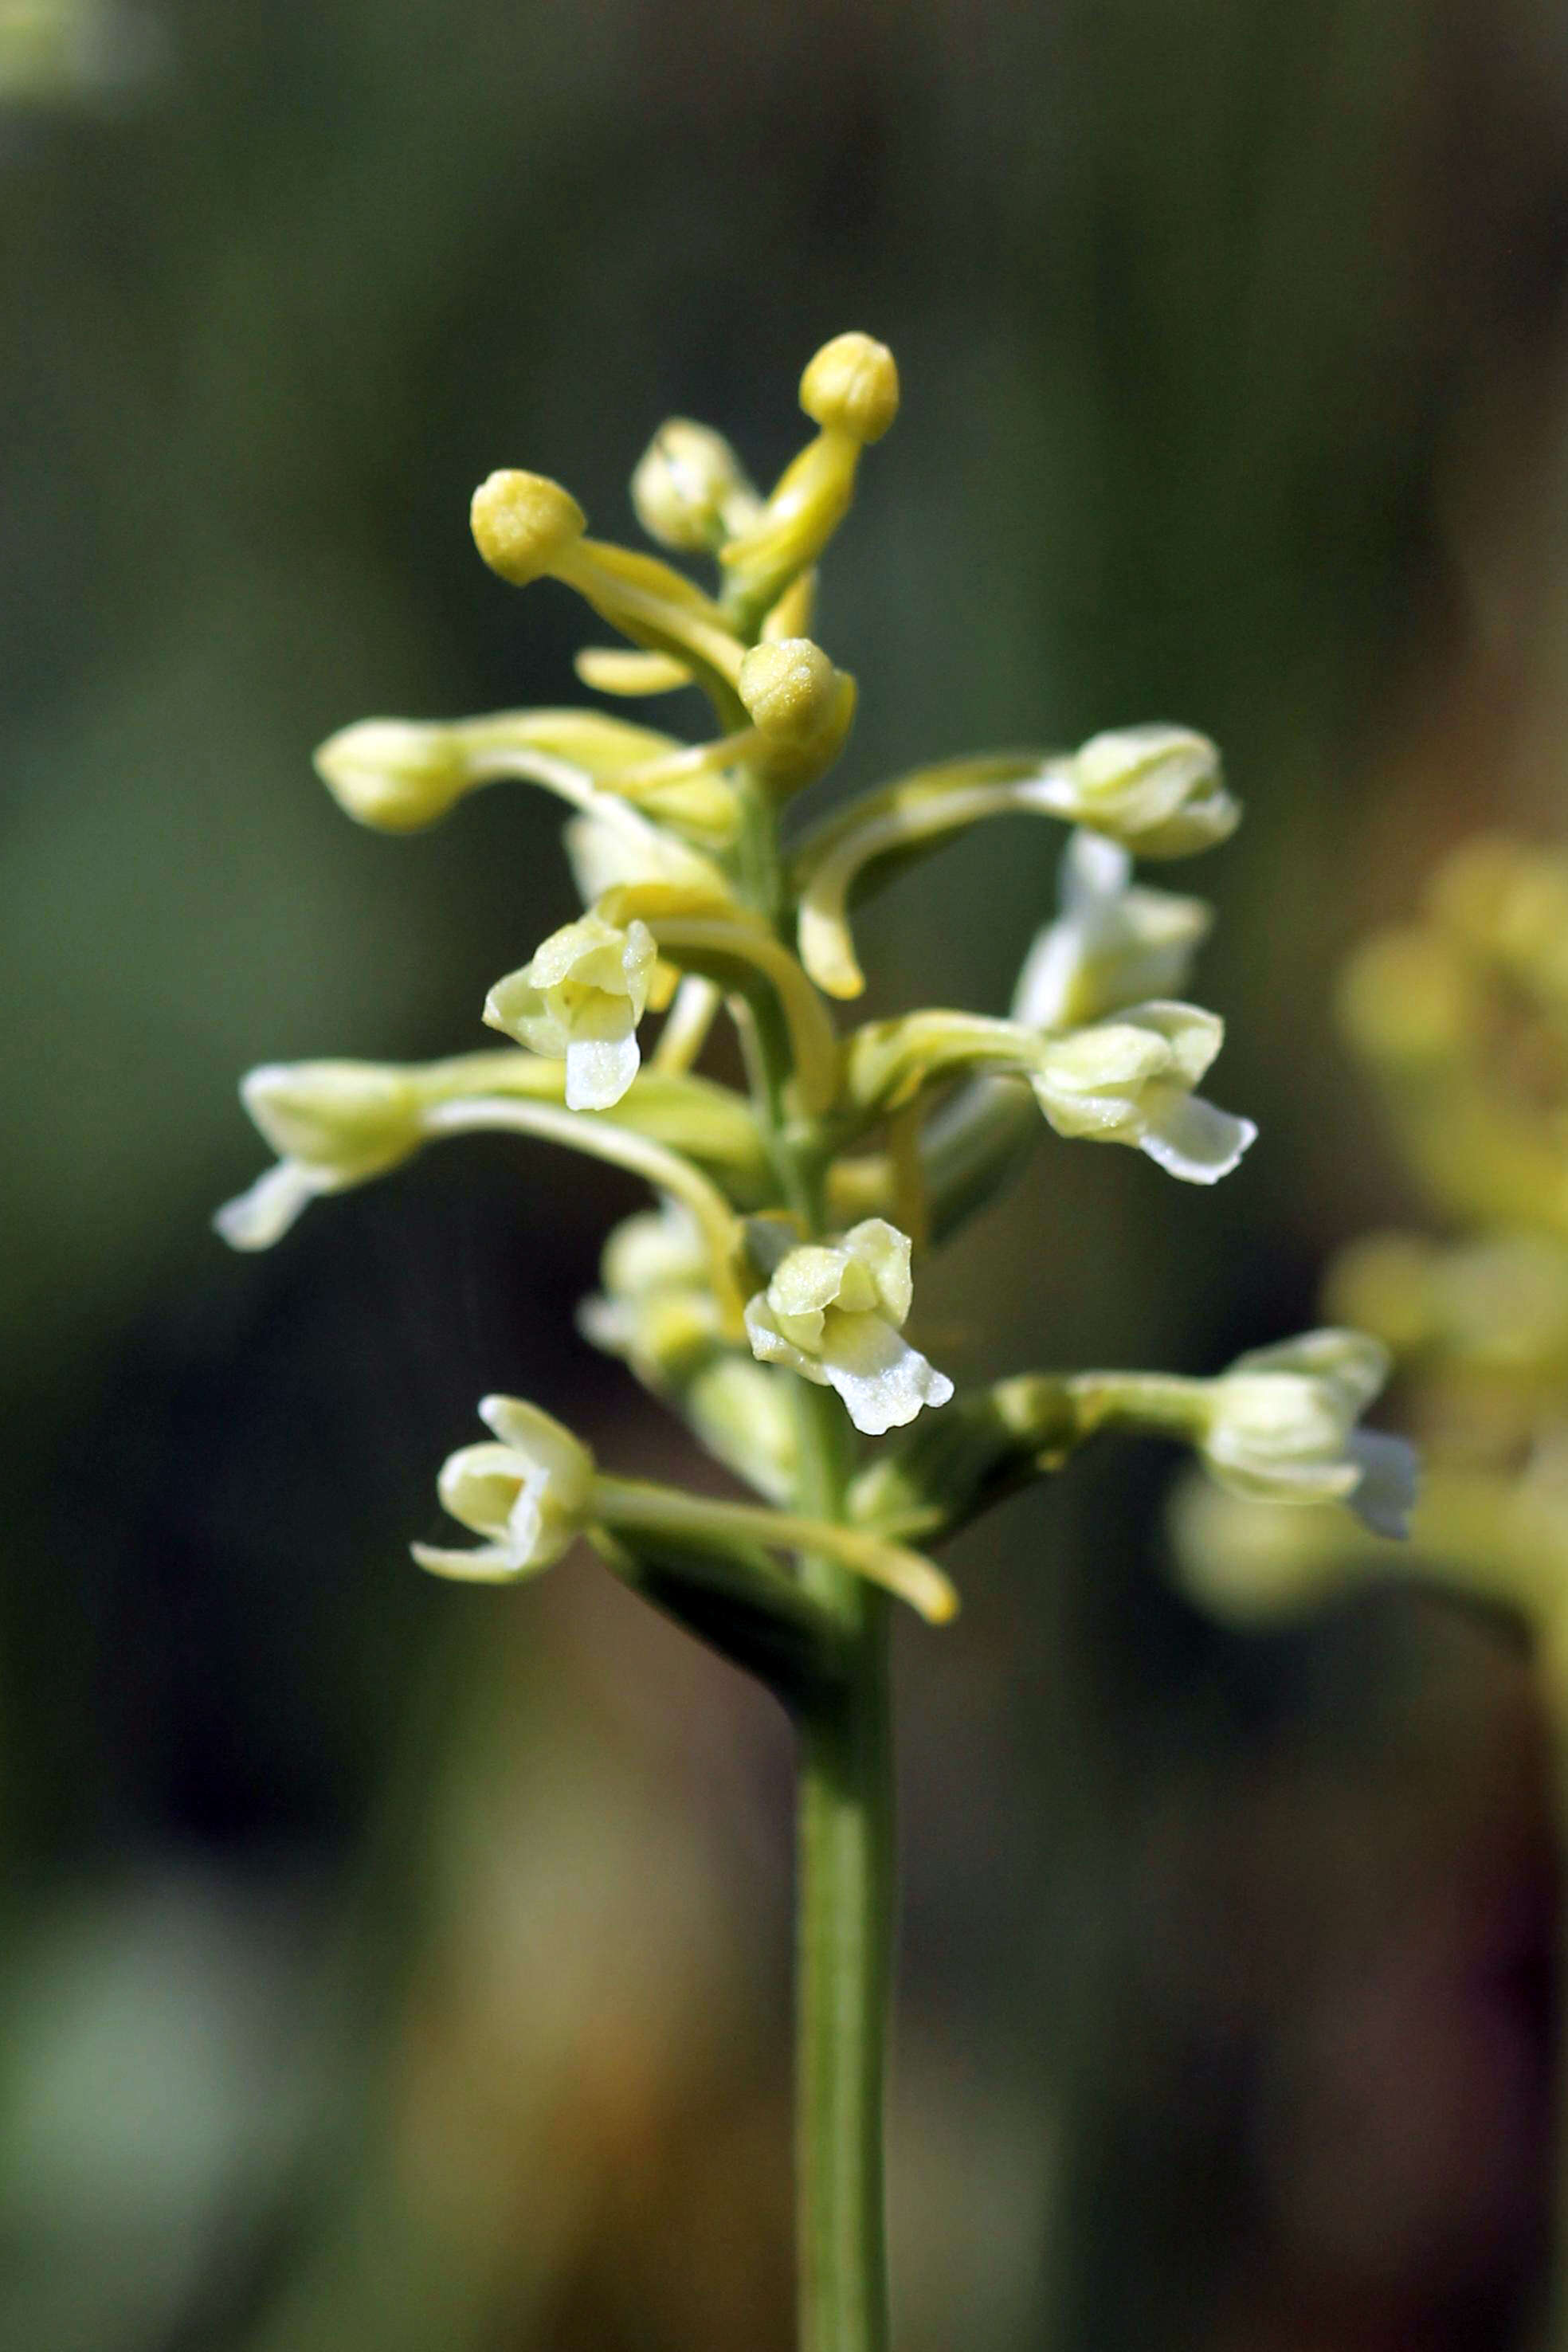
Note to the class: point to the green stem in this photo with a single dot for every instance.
(843, 1954)
(845, 1866)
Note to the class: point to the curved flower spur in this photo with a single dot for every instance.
(766, 1298)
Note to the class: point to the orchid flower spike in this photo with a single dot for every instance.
(580, 999)
(1131, 1080)
(529, 1495)
(1280, 1425)
(1112, 945)
(834, 1311)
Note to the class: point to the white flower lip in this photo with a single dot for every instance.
(833, 1313)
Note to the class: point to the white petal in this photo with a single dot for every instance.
(485, 1564)
(1385, 1496)
(1044, 994)
(599, 1070)
(479, 1485)
(608, 1323)
(807, 1280)
(541, 1441)
(1092, 868)
(770, 1346)
(1267, 1477)
(525, 1538)
(1191, 1139)
(885, 1254)
(517, 1007)
(256, 1219)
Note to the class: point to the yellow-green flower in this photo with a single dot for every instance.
(834, 1311)
(1158, 789)
(332, 1124)
(579, 1000)
(1279, 1425)
(529, 1495)
(1131, 1081)
(656, 1306)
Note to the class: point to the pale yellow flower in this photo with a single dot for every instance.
(834, 1311)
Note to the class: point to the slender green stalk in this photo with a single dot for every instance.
(844, 1953)
(845, 1827)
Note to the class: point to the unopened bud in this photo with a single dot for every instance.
(522, 523)
(394, 774)
(345, 1120)
(852, 386)
(801, 707)
(689, 489)
(1160, 788)
(788, 688)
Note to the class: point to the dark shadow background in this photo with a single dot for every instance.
(394, 1967)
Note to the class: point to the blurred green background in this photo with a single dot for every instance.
(390, 1966)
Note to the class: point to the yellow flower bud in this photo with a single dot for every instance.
(396, 774)
(852, 386)
(801, 707)
(787, 687)
(851, 391)
(522, 523)
(689, 489)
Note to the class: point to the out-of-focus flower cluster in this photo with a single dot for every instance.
(1460, 1019)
